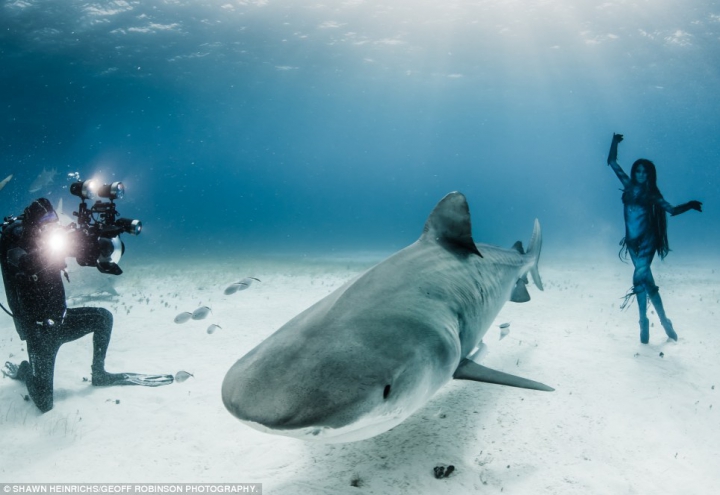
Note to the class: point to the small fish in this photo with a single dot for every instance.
(504, 330)
(233, 288)
(213, 327)
(181, 376)
(46, 177)
(5, 181)
(200, 313)
(183, 317)
(242, 285)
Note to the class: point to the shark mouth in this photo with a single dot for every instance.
(367, 427)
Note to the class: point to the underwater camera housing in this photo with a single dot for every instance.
(97, 236)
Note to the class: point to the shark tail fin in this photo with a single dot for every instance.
(533, 250)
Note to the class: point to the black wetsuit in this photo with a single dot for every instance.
(36, 295)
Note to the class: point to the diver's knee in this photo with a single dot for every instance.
(43, 399)
(44, 405)
(104, 319)
(106, 316)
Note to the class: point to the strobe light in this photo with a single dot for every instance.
(91, 189)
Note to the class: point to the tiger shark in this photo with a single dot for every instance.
(44, 179)
(360, 361)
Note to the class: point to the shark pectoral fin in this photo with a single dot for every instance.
(520, 293)
(470, 370)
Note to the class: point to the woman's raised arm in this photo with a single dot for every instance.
(612, 160)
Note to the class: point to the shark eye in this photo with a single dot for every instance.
(386, 392)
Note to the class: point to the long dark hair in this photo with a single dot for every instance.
(658, 216)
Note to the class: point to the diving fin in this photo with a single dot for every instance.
(112, 379)
(470, 370)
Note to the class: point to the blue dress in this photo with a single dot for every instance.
(643, 235)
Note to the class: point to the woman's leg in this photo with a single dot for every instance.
(654, 294)
(642, 280)
(643, 277)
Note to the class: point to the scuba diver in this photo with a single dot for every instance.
(32, 273)
(645, 233)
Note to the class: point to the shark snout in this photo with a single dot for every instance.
(333, 389)
(320, 394)
(318, 400)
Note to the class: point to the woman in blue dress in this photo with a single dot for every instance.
(645, 232)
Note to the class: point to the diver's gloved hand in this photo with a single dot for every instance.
(617, 138)
(695, 205)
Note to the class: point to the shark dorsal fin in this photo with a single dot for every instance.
(449, 224)
(518, 247)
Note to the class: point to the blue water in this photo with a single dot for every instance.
(295, 126)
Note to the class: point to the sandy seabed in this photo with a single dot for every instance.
(625, 418)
